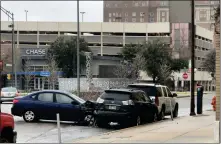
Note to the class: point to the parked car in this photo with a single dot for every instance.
(162, 97)
(125, 106)
(7, 132)
(8, 94)
(46, 104)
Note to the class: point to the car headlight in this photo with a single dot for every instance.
(99, 100)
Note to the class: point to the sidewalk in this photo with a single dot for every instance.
(188, 129)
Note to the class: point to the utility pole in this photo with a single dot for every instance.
(26, 15)
(11, 16)
(82, 13)
(192, 101)
(78, 51)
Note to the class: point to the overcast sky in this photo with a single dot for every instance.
(53, 10)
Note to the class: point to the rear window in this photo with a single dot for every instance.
(149, 90)
(9, 89)
(120, 96)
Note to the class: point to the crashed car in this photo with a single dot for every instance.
(46, 104)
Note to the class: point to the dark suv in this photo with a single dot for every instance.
(125, 106)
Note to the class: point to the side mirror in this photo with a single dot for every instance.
(174, 95)
(74, 103)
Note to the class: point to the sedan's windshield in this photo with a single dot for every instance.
(9, 90)
(82, 101)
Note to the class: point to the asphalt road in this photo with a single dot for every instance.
(46, 132)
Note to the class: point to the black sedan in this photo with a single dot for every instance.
(46, 104)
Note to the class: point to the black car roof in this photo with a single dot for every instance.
(123, 90)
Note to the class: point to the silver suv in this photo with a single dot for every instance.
(162, 97)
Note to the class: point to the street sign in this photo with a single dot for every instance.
(185, 76)
(8, 65)
(45, 73)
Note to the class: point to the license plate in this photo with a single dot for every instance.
(112, 107)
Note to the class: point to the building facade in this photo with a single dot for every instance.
(156, 11)
(104, 39)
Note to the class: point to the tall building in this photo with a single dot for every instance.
(155, 11)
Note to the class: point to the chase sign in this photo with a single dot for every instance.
(35, 51)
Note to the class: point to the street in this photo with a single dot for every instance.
(46, 132)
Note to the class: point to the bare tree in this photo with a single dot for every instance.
(129, 69)
(28, 76)
(164, 73)
(53, 69)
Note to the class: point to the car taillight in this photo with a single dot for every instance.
(128, 102)
(157, 101)
(15, 101)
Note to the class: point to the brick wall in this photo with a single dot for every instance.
(217, 46)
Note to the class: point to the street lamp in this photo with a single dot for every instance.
(11, 16)
(82, 13)
(26, 15)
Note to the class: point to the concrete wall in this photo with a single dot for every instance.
(99, 84)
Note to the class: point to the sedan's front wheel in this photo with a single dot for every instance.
(29, 116)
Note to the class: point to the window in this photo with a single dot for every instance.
(149, 90)
(126, 20)
(113, 14)
(114, 20)
(142, 13)
(107, 5)
(46, 97)
(147, 98)
(112, 95)
(133, 19)
(141, 19)
(151, 14)
(109, 14)
(136, 4)
(126, 5)
(164, 92)
(164, 3)
(159, 92)
(143, 4)
(151, 19)
(169, 93)
(109, 19)
(33, 97)
(163, 14)
(60, 98)
(126, 14)
(134, 14)
(116, 5)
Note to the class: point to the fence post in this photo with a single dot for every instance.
(59, 128)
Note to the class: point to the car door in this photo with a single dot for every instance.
(46, 106)
(68, 110)
(148, 106)
(170, 95)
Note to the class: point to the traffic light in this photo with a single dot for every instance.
(1, 65)
(8, 76)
